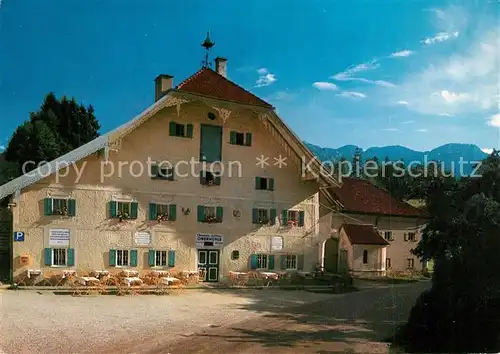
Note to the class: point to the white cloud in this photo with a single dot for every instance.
(463, 82)
(352, 94)
(325, 86)
(494, 120)
(265, 78)
(408, 122)
(446, 115)
(347, 75)
(440, 37)
(2, 147)
(405, 103)
(390, 129)
(421, 130)
(402, 53)
(487, 150)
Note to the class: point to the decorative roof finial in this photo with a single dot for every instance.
(207, 44)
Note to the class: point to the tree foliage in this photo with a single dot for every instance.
(61, 125)
(461, 312)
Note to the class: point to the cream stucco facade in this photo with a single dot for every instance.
(93, 234)
(396, 257)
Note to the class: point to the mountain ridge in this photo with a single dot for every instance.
(449, 155)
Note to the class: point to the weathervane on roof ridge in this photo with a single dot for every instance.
(207, 44)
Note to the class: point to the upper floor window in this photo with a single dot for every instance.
(263, 216)
(410, 236)
(293, 217)
(264, 183)
(181, 130)
(162, 172)
(238, 138)
(388, 236)
(210, 213)
(59, 206)
(123, 210)
(208, 178)
(210, 143)
(162, 212)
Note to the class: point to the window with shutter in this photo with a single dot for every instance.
(210, 143)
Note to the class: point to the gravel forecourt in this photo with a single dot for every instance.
(206, 321)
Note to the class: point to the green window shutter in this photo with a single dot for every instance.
(217, 180)
(248, 140)
(300, 262)
(170, 172)
(172, 126)
(232, 137)
(71, 257)
(255, 215)
(253, 262)
(171, 258)
(112, 209)
(257, 182)
(272, 216)
(189, 131)
(133, 258)
(112, 257)
(48, 256)
(219, 213)
(134, 206)
(406, 236)
(151, 258)
(285, 217)
(270, 262)
(71, 207)
(172, 212)
(201, 213)
(152, 211)
(270, 185)
(47, 206)
(301, 218)
(154, 171)
(203, 181)
(283, 262)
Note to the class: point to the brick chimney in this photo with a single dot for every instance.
(221, 66)
(163, 83)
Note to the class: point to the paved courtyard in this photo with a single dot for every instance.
(203, 321)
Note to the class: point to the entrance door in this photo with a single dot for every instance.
(331, 255)
(208, 265)
(6, 236)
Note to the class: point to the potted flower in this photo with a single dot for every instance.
(62, 211)
(123, 216)
(292, 223)
(210, 219)
(162, 217)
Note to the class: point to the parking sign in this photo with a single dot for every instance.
(19, 236)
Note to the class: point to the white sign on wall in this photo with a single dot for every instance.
(209, 241)
(142, 238)
(59, 237)
(276, 243)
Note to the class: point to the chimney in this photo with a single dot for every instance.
(163, 83)
(221, 66)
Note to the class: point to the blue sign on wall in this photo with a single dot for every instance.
(19, 236)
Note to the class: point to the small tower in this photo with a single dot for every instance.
(207, 44)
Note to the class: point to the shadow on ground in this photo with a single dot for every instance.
(355, 322)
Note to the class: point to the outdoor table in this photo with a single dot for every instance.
(159, 272)
(268, 275)
(130, 273)
(132, 281)
(169, 280)
(67, 273)
(86, 280)
(33, 272)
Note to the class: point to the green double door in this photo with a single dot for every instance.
(208, 264)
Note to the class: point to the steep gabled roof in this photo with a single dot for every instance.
(363, 235)
(207, 82)
(361, 196)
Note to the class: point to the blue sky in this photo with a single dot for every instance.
(369, 73)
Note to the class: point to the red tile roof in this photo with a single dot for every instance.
(363, 235)
(361, 196)
(207, 82)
